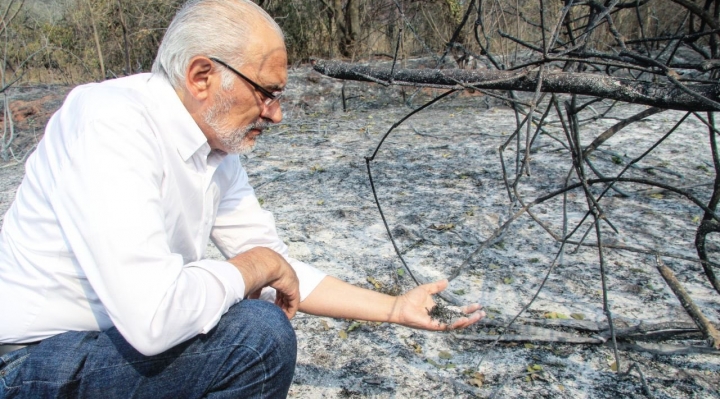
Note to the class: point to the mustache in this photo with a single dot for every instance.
(259, 125)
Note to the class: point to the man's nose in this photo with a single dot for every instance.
(273, 112)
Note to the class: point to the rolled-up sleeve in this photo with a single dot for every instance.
(242, 224)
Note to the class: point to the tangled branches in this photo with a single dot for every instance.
(555, 67)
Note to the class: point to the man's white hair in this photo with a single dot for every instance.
(218, 28)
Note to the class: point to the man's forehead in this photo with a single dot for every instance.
(265, 42)
(269, 65)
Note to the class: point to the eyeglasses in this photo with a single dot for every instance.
(270, 97)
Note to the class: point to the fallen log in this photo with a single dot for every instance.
(661, 95)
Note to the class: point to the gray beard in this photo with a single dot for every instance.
(233, 140)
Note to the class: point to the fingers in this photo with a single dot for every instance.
(473, 312)
(471, 308)
(288, 291)
(437, 286)
(464, 322)
(288, 305)
(288, 301)
(460, 323)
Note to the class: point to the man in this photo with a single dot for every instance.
(103, 286)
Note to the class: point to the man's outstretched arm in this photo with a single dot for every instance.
(336, 298)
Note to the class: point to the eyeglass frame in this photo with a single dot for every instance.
(270, 98)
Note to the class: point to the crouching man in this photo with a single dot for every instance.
(104, 290)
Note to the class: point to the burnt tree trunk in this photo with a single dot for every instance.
(660, 95)
(345, 20)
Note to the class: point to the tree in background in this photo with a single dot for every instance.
(91, 39)
(85, 40)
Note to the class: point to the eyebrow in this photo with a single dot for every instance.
(273, 88)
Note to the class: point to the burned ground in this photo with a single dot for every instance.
(440, 184)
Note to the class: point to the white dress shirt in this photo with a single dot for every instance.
(111, 222)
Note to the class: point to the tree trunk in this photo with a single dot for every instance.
(352, 22)
(346, 21)
(97, 40)
(126, 43)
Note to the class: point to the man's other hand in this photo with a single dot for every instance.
(262, 267)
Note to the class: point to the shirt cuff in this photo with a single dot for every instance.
(230, 278)
(309, 276)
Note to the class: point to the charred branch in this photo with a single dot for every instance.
(708, 330)
(660, 95)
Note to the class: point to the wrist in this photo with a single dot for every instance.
(395, 315)
(257, 268)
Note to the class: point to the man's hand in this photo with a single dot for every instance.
(411, 309)
(262, 267)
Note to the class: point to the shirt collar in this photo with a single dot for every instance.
(186, 134)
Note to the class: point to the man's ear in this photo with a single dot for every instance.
(199, 77)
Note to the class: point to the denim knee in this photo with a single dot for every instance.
(267, 319)
(264, 327)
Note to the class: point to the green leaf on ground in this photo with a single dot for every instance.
(555, 315)
(374, 282)
(353, 326)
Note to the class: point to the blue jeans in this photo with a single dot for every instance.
(250, 354)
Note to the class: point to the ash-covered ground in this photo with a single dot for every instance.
(440, 183)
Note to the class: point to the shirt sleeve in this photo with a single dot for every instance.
(241, 224)
(108, 201)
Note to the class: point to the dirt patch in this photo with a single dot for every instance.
(31, 107)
